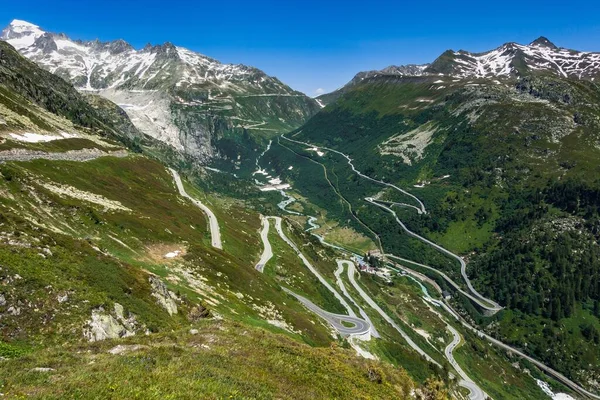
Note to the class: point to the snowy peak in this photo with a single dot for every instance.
(96, 65)
(180, 97)
(514, 60)
(397, 70)
(509, 60)
(21, 34)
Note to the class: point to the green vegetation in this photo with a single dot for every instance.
(223, 360)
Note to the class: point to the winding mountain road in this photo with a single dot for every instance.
(279, 228)
(359, 327)
(555, 374)
(475, 392)
(342, 286)
(215, 232)
(443, 275)
(482, 301)
(489, 305)
(421, 205)
(267, 251)
(494, 308)
(384, 315)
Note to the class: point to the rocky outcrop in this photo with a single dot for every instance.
(104, 325)
(164, 297)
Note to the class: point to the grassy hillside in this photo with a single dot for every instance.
(214, 360)
(65, 258)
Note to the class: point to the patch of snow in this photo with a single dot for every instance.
(172, 254)
(29, 137)
(316, 149)
(268, 188)
(21, 34)
(548, 390)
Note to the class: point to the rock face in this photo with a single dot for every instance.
(163, 295)
(103, 326)
(180, 97)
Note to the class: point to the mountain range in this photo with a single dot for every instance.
(511, 60)
(182, 98)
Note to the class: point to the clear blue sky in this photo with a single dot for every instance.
(318, 44)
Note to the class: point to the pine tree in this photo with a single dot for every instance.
(556, 309)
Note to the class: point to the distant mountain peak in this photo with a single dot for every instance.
(543, 42)
(510, 60)
(514, 60)
(21, 34)
(22, 24)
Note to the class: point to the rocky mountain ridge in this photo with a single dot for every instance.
(180, 97)
(511, 60)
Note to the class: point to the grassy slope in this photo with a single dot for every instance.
(224, 360)
(160, 222)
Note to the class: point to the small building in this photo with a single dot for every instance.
(446, 294)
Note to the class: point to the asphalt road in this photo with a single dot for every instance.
(340, 283)
(267, 251)
(375, 306)
(421, 205)
(312, 269)
(359, 326)
(484, 302)
(493, 307)
(475, 392)
(557, 375)
(215, 232)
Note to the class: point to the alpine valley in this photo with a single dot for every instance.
(175, 227)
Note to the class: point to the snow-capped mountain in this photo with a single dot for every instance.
(513, 60)
(508, 60)
(400, 70)
(171, 93)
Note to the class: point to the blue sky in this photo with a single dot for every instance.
(313, 45)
